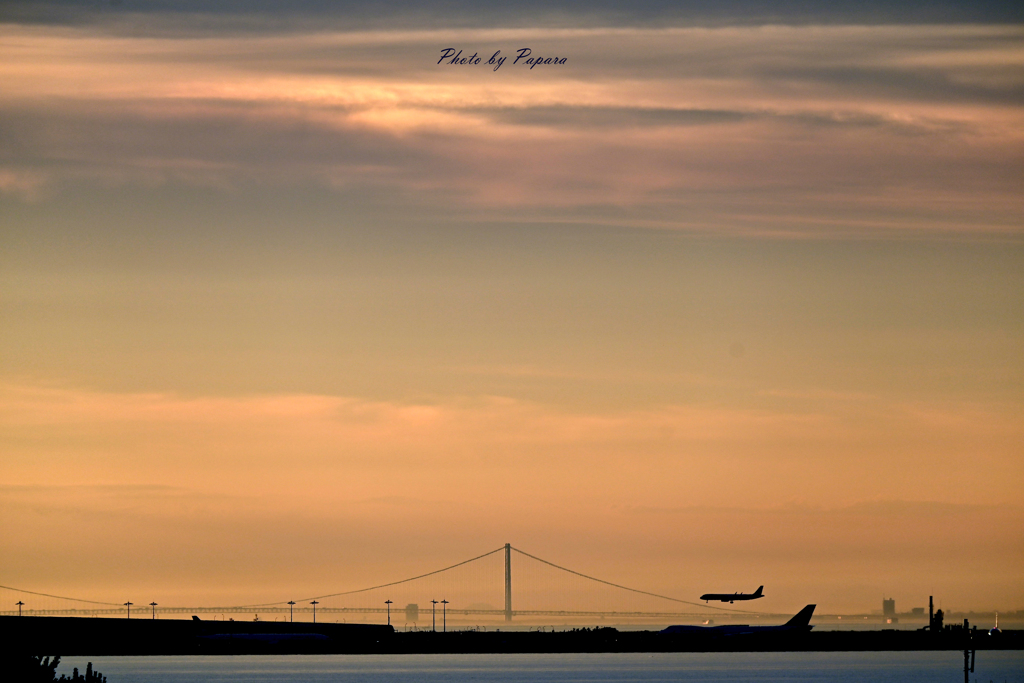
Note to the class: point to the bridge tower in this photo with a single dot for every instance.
(508, 582)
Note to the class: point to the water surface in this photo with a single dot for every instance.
(744, 667)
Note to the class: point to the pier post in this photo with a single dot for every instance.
(968, 652)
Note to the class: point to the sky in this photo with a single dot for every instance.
(725, 294)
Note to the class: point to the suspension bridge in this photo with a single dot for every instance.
(470, 590)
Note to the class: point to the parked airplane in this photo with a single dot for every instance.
(732, 597)
(800, 623)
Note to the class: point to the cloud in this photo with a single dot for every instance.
(126, 16)
(767, 129)
(228, 445)
(27, 185)
(897, 529)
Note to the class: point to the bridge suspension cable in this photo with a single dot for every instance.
(383, 585)
(61, 597)
(627, 588)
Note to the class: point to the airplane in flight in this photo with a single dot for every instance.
(732, 597)
(800, 623)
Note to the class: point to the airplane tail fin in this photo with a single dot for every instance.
(757, 593)
(802, 619)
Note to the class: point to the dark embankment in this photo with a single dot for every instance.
(104, 637)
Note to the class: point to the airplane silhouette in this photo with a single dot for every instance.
(800, 623)
(732, 597)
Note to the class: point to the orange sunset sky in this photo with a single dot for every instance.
(728, 298)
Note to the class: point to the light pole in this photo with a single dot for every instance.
(314, 603)
(388, 603)
(444, 616)
(433, 615)
(19, 604)
(153, 605)
(291, 610)
(129, 606)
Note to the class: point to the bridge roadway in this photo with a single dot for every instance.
(143, 612)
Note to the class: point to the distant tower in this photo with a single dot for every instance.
(935, 617)
(888, 607)
(994, 631)
(508, 582)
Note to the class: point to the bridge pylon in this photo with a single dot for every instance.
(508, 582)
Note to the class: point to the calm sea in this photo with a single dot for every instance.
(839, 667)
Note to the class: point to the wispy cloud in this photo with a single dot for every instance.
(862, 129)
(246, 17)
(92, 437)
